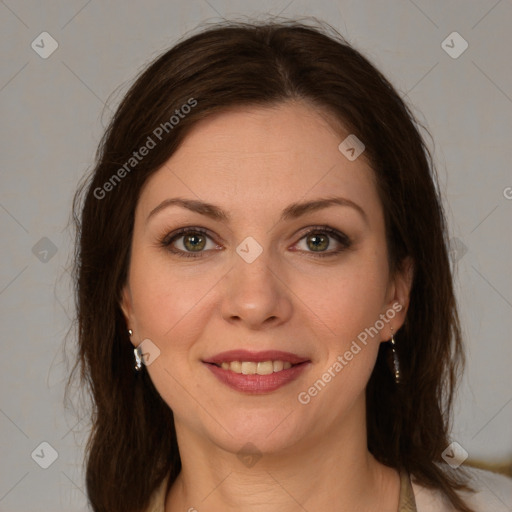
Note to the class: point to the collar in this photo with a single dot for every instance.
(406, 501)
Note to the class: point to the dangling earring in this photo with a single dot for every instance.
(396, 364)
(138, 354)
(138, 358)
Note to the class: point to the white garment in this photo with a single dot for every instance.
(494, 494)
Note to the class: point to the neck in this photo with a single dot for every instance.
(332, 472)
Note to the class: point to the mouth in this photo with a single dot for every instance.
(256, 372)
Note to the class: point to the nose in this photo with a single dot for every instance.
(256, 294)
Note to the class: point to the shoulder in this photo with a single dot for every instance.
(493, 493)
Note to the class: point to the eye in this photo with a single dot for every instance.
(193, 242)
(190, 242)
(317, 241)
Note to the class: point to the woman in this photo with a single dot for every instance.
(266, 312)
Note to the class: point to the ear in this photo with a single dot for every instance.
(398, 298)
(126, 305)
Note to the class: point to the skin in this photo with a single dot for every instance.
(253, 163)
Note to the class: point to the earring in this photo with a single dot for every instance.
(396, 364)
(138, 354)
(138, 358)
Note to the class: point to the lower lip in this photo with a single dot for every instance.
(256, 384)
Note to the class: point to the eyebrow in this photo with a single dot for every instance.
(293, 211)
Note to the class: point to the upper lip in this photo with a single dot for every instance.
(246, 355)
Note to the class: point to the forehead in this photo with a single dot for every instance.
(286, 129)
(276, 155)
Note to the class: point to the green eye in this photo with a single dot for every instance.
(317, 242)
(194, 242)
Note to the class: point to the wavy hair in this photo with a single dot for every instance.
(132, 443)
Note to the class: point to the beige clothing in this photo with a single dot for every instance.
(494, 494)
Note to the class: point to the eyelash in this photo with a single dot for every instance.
(344, 240)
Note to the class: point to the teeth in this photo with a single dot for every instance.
(249, 368)
(235, 366)
(265, 368)
(253, 368)
(278, 366)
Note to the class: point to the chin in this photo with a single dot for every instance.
(270, 434)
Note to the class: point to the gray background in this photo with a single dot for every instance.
(53, 113)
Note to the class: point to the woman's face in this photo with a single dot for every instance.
(264, 274)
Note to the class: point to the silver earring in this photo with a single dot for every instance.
(138, 358)
(396, 364)
(138, 354)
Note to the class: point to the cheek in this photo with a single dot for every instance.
(349, 305)
(170, 307)
(346, 299)
(167, 297)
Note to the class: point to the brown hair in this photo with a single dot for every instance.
(132, 444)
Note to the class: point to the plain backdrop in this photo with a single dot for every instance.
(54, 111)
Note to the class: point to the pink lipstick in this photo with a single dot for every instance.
(256, 372)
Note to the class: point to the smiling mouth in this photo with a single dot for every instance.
(257, 372)
(256, 368)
